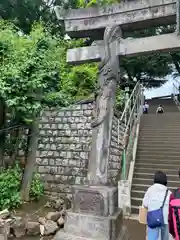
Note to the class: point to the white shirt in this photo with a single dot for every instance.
(154, 197)
(146, 105)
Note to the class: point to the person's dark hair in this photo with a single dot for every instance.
(160, 177)
(179, 173)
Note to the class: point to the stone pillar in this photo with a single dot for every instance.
(95, 214)
(4, 230)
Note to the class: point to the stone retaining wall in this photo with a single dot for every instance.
(64, 145)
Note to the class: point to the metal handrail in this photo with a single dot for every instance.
(127, 103)
(127, 122)
(175, 94)
(175, 87)
(132, 111)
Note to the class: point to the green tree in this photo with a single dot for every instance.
(23, 13)
(34, 73)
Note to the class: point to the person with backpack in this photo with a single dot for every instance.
(156, 200)
(174, 213)
(160, 109)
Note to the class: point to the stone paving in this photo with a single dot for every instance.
(137, 231)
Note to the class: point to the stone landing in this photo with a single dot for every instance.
(94, 215)
(85, 226)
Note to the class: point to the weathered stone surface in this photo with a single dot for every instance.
(4, 214)
(84, 226)
(42, 220)
(128, 47)
(50, 227)
(104, 109)
(68, 164)
(42, 230)
(116, 148)
(61, 235)
(124, 196)
(61, 221)
(4, 229)
(19, 227)
(32, 228)
(57, 204)
(64, 145)
(99, 201)
(136, 14)
(54, 216)
(2, 237)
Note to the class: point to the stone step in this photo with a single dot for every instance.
(154, 119)
(158, 145)
(145, 170)
(144, 187)
(150, 181)
(135, 210)
(159, 126)
(160, 131)
(137, 194)
(156, 141)
(168, 156)
(156, 138)
(173, 161)
(175, 184)
(158, 166)
(161, 135)
(151, 176)
(160, 151)
(135, 201)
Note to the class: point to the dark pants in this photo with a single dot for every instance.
(145, 111)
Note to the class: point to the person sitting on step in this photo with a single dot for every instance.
(160, 109)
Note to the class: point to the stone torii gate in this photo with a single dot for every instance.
(95, 213)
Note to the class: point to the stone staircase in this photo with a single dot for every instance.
(158, 149)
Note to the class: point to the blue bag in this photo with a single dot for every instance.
(155, 218)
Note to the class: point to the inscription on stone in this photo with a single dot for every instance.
(89, 202)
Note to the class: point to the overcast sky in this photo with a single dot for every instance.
(164, 90)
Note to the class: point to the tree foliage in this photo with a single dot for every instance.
(10, 180)
(24, 13)
(93, 3)
(34, 72)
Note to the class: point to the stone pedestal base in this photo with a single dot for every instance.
(88, 227)
(95, 200)
(94, 215)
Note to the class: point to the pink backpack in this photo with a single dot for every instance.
(175, 204)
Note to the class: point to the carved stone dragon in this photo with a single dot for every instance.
(106, 75)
